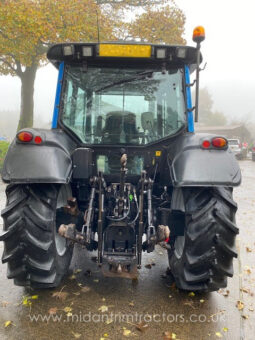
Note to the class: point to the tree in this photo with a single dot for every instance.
(164, 24)
(28, 27)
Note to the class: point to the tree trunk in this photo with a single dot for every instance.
(27, 97)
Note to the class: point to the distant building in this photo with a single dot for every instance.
(232, 131)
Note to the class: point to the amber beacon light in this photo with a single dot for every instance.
(198, 34)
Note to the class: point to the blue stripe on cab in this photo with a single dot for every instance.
(57, 98)
(189, 101)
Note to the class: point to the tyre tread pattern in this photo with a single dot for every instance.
(209, 249)
(29, 247)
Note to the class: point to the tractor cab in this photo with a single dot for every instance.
(122, 96)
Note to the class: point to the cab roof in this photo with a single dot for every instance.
(74, 53)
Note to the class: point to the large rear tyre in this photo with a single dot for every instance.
(36, 255)
(202, 259)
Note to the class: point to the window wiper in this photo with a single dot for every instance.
(138, 75)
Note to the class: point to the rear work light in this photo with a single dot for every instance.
(25, 136)
(68, 50)
(87, 51)
(161, 53)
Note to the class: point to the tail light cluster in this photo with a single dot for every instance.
(215, 143)
(28, 137)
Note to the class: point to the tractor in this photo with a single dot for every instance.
(121, 170)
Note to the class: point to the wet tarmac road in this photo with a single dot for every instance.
(151, 300)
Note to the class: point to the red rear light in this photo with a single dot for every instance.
(25, 136)
(38, 140)
(206, 144)
(219, 142)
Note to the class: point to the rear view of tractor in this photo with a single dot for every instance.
(120, 171)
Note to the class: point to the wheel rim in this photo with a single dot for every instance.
(61, 242)
(179, 246)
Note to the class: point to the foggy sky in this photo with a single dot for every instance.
(229, 51)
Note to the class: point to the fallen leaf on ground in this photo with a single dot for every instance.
(218, 334)
(248, 249)
(4, 303)
(225, 329)
(108, 321)
(191, 294)
(67, 309)
(69, 314)
(247, 270)
(240, 305)
(246, 290)
(202, 301)
(141, 326)
(72, 277)
(251, 309)
(169, 336)
(77, 271)
(131, 304)
(26, 301)
(60, 295)
(96, 280)
(224, 292)
(85, 289)
(103, 309)
(103, 299)
(76, 335)
(8, 323)
(126, 332)
(245, 317)
(34, 297)
(53, 310)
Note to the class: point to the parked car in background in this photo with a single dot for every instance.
(253, 152)
(237, 148)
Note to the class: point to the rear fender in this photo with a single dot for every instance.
(48, 162)
(191, 165)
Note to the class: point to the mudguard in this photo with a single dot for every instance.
(48, 162)
(191, 165)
